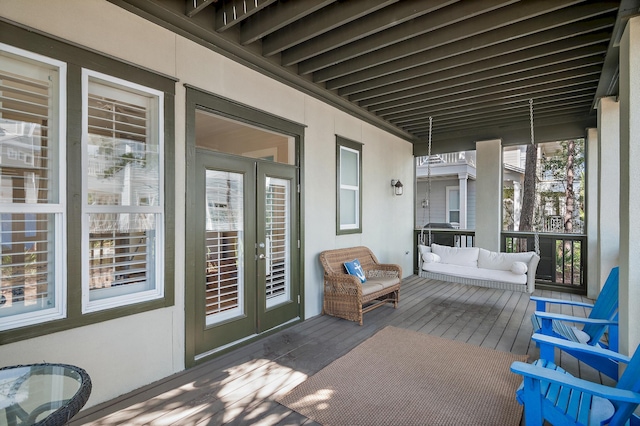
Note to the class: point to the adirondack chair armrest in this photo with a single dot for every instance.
(564, 379)
(570, 318)
(542, 301)
(569, 345)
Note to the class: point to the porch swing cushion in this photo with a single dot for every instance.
(508, 271)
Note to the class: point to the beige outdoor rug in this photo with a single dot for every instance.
(402, 377)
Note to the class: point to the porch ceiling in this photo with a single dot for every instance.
(471, 65)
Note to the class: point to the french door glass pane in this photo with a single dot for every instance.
(224, 283)
(277, 227)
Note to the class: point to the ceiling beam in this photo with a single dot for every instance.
(193, 7)
(562, 81)
(428, 23)
(441, 97)
(466, 83)
(276, 16)
(557, 91)
(562, 128)
(504, 24)
(397, 14)
(451, 78)
(233, 12)
(498, 120)
(325, 20)
(519, 107)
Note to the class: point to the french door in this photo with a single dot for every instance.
(246, 248)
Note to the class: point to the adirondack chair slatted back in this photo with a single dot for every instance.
(606, 305)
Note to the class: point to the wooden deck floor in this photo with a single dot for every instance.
(240, 387)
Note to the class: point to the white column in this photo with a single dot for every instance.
(608, 233)
(488, 194)
(630, 187)
(462, 185)
(591, 212)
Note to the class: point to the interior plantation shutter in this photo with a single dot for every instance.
(31, 206)
(123, 198)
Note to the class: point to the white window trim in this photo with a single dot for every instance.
(448, 204)
(354, 188)
(158, 211)
(59, 309)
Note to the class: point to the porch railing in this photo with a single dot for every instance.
(563, 257)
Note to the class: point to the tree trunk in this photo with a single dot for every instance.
(529, 189)
(528, 193)
(570, 196)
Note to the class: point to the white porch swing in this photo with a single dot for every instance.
(473, 265)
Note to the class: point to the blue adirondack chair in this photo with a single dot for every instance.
(603, 316)
(550, 393)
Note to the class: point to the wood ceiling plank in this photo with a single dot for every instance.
(276, 16)
(447, 57)
(233, 12)
(414, 52)
(325, 20)
(498, 84)
(439, 19)
(485, 79)
(557, 90)
(376, 22)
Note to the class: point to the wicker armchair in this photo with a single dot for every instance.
(345, 296)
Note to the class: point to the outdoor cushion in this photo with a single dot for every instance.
(462, 256)
(519, 268)
(475, 273)
(501, 261)
(431, 257)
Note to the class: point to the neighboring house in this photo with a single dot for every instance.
(452, 197)
(453, 175)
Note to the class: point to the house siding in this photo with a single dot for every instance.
(129, 352)
(438, 201)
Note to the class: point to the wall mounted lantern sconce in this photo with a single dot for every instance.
(397, 186)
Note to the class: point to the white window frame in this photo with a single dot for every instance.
(449, 189)
(345, 145)
(58, 209)
(128, 296)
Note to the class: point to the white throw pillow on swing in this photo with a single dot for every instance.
(519, 268)
(431, 258)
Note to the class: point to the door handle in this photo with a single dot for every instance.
(262, 256)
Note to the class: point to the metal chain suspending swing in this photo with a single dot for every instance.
(536, 236)
(428, 199)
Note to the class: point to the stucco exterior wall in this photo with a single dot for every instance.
(124, 354)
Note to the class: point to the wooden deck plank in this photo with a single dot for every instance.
(240, 387)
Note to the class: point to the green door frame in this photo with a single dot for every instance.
(198, 99)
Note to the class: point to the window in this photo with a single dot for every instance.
(32, 206)
(453, 204)
(123, 213)
(349, 186)
(81, 172)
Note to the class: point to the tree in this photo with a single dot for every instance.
(563, 169)
(529, 189)
(528, 193)
(569, 193)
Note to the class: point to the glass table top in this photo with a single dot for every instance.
(42, 394)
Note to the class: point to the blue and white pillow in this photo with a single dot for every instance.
(354, 268)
